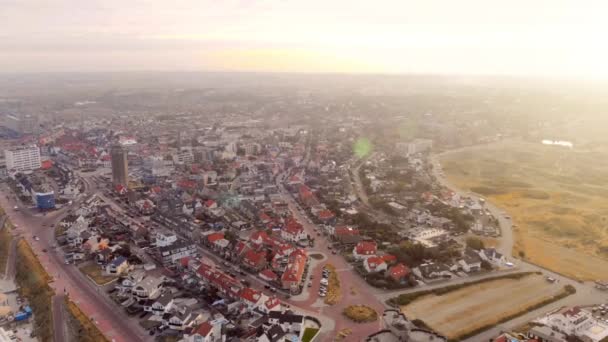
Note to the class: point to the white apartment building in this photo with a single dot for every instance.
(22, 158)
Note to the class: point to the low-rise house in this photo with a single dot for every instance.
(326, 217)
(148, 288)
(160, 305)
(268, 275)
(178, 318)
(255, 260)
(471, 261)
(165, 238)
(117, 266)
(225, 284)
(206, 332)
(574, 321)
(289, 321)
(492, 256)
(129, 281)
(365, 249)
(293, 277)
(170, 255)
(347, 236)
(293, 232)
(399, 272)
(252, 299)
(432, 270)
(374, 264)
(272, 334)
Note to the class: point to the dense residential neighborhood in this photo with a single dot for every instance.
(216, 224)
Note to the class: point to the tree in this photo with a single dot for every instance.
(230, 236)
(475, 243)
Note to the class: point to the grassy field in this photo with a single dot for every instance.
(558, 198)
(462, 311)
(33, 285)
(309, 334)
(84, 328)
(94, 272)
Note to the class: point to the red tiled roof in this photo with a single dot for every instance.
(305, 191)
(215, 237)
(268, 274)
(184, 261)
(240, 247)
(271, 303)
(295, 268)
(209, 203)
(366, 248)
(259, 235)
(388, 258)
(344, 231)
(399, 271)
(204, 329)
(254, 258)
(186, 184)
(250, 295)
(325, 214)
(374, 262)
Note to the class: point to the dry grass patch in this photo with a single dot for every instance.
(360, 313)
(84, 328)
(333, 288)
(5, 242)
(552, 194)
(342, 334)
(94, 272)
(33, 285)
(462, 311)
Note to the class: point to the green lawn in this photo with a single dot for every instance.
(309, 333)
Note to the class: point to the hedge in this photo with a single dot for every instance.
(407, 298)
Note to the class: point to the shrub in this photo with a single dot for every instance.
(360, 313)
(475, 243)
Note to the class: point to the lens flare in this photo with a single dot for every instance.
(362, 147)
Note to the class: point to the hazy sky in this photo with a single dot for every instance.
(526, 37)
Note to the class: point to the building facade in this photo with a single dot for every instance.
(22, 159)
(120, 168)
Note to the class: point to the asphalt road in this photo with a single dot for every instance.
(59, 319)
(354, 289)
(112, 321)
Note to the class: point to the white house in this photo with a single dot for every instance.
(289, 321)
(374, 264)
(165, 238)
(159, 306)
(492, 256)
(148, 287)
(365, 249)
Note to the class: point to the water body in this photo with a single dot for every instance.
(563, 143)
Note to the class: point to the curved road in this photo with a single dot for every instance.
(112, 321)
(586, 293)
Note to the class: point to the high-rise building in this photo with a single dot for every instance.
(120, 169)
(22, 158)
